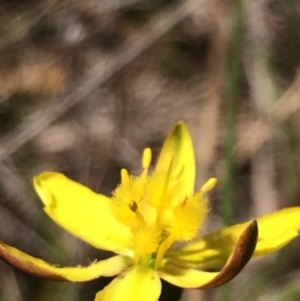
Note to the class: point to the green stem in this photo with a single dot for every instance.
(232, 97)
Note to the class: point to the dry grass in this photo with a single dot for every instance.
(86, 85)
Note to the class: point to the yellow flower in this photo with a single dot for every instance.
(151, 222)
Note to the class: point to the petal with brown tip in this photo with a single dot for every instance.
(192, 278)
(41, 268)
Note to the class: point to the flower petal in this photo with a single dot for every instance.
(41, 268)
(136, 284)
(178, 147)
(212, 250)
(191, 278)
(276, 230)
(81, 212)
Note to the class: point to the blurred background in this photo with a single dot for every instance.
(86, 85)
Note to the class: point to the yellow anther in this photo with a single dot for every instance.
(147, 157)
(209, 185)
(125, 179)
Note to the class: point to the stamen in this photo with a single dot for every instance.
(209, 185)
(167, 180)
(146, 161)
(162, 250)
(147, 158)
(180, 172)
(145, 240)
(125, 179)
(183, 202)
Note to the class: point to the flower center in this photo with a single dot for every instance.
(159, 210)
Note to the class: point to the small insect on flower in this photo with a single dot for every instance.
(142, 224)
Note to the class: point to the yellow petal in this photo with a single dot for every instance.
(81, 212)
(277, 229)
(41, 268)
(138, 283)
(212, 250)
(192, 278)
(178, 147)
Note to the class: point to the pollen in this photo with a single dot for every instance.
(188, 218)
(147, 158)
(209, 185)
(145, 241)
(125, 179)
